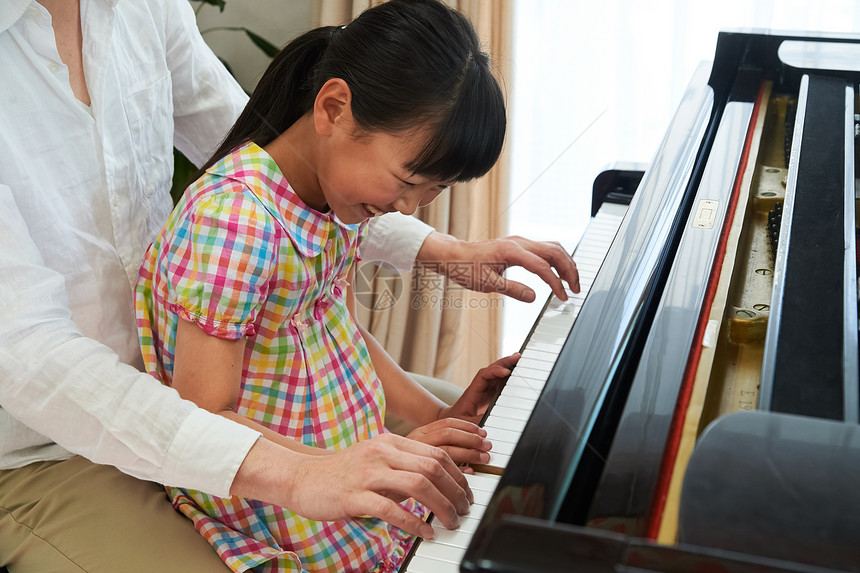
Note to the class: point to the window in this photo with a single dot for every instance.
(598, 82)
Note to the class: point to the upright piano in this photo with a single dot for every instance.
(696, 407)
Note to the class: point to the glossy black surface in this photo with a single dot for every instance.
(776, 485)
(632, 467)
(535, 516)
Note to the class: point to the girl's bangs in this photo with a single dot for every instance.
(468, 140)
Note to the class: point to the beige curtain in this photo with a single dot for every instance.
(429, 324)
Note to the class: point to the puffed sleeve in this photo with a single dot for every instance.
(219, 262)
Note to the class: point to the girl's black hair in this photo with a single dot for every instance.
(409, 64)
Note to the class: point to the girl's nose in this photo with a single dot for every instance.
(408, 202)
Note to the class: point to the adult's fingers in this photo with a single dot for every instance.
(431, 465)
(379, 506)
(557, 256)
(513, 289)
(445, 500)
(550, 255)
(536, 264)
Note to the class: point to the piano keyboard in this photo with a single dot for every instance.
(514, 405)
(444, 552)
(511, 411)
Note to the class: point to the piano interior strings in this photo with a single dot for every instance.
(696, 407)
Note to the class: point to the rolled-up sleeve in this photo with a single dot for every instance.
(394, 239)
(77, 392)
(206, 98)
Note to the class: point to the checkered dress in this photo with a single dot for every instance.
(241, 255)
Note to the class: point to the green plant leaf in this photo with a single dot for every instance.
(227, 65)
(220, 3)
(270, 49)
(183, 171)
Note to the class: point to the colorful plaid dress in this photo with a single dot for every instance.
(242, 255)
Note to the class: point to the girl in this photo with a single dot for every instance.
(243, 303)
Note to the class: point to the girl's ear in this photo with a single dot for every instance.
(332, 106)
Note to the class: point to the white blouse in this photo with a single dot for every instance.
(83, 190)
(82, 193)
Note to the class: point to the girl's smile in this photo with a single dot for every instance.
(356, 174)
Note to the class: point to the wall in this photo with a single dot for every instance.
(278, 21)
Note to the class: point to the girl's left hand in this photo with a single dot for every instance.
(463, 441)
(484, 387)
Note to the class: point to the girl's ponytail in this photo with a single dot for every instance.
(282, 96)
(409, 64)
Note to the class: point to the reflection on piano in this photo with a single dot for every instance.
(696, 407)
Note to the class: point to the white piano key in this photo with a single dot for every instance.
(530, 373)
(501, 447)
(422, 564)
(535, 364)
(577, 297)
(559, 326)
(551, 333)
(505, 423)
(514, 404)
(482, 498)
(498, 460)
(450, 538)
(447, 547)
(588, 260)
(520, 392)
(533, 353)
(541, 345)
(504, 441)
(484, 482)
(525, 383)
(469, 523)
(441, 552)
(591, 244)
(564, 321)
(559, 309)
(499, 435)
(510, 413)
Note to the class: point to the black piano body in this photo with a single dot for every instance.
(626, 463)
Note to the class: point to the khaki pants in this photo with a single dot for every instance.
(77, 516)
(74, 515)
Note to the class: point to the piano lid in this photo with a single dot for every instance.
(626, 354)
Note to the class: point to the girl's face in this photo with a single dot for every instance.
(366, 176)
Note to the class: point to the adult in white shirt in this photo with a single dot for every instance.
(95, 95)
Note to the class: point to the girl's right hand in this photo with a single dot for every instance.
(464, 441)
(367, 478)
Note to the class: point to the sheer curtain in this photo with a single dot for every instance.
(597, 82)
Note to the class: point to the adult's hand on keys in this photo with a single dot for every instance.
(480, 265)
(367, 478)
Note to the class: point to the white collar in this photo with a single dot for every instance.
(12, 10)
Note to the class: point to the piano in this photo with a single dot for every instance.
(696, 406)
